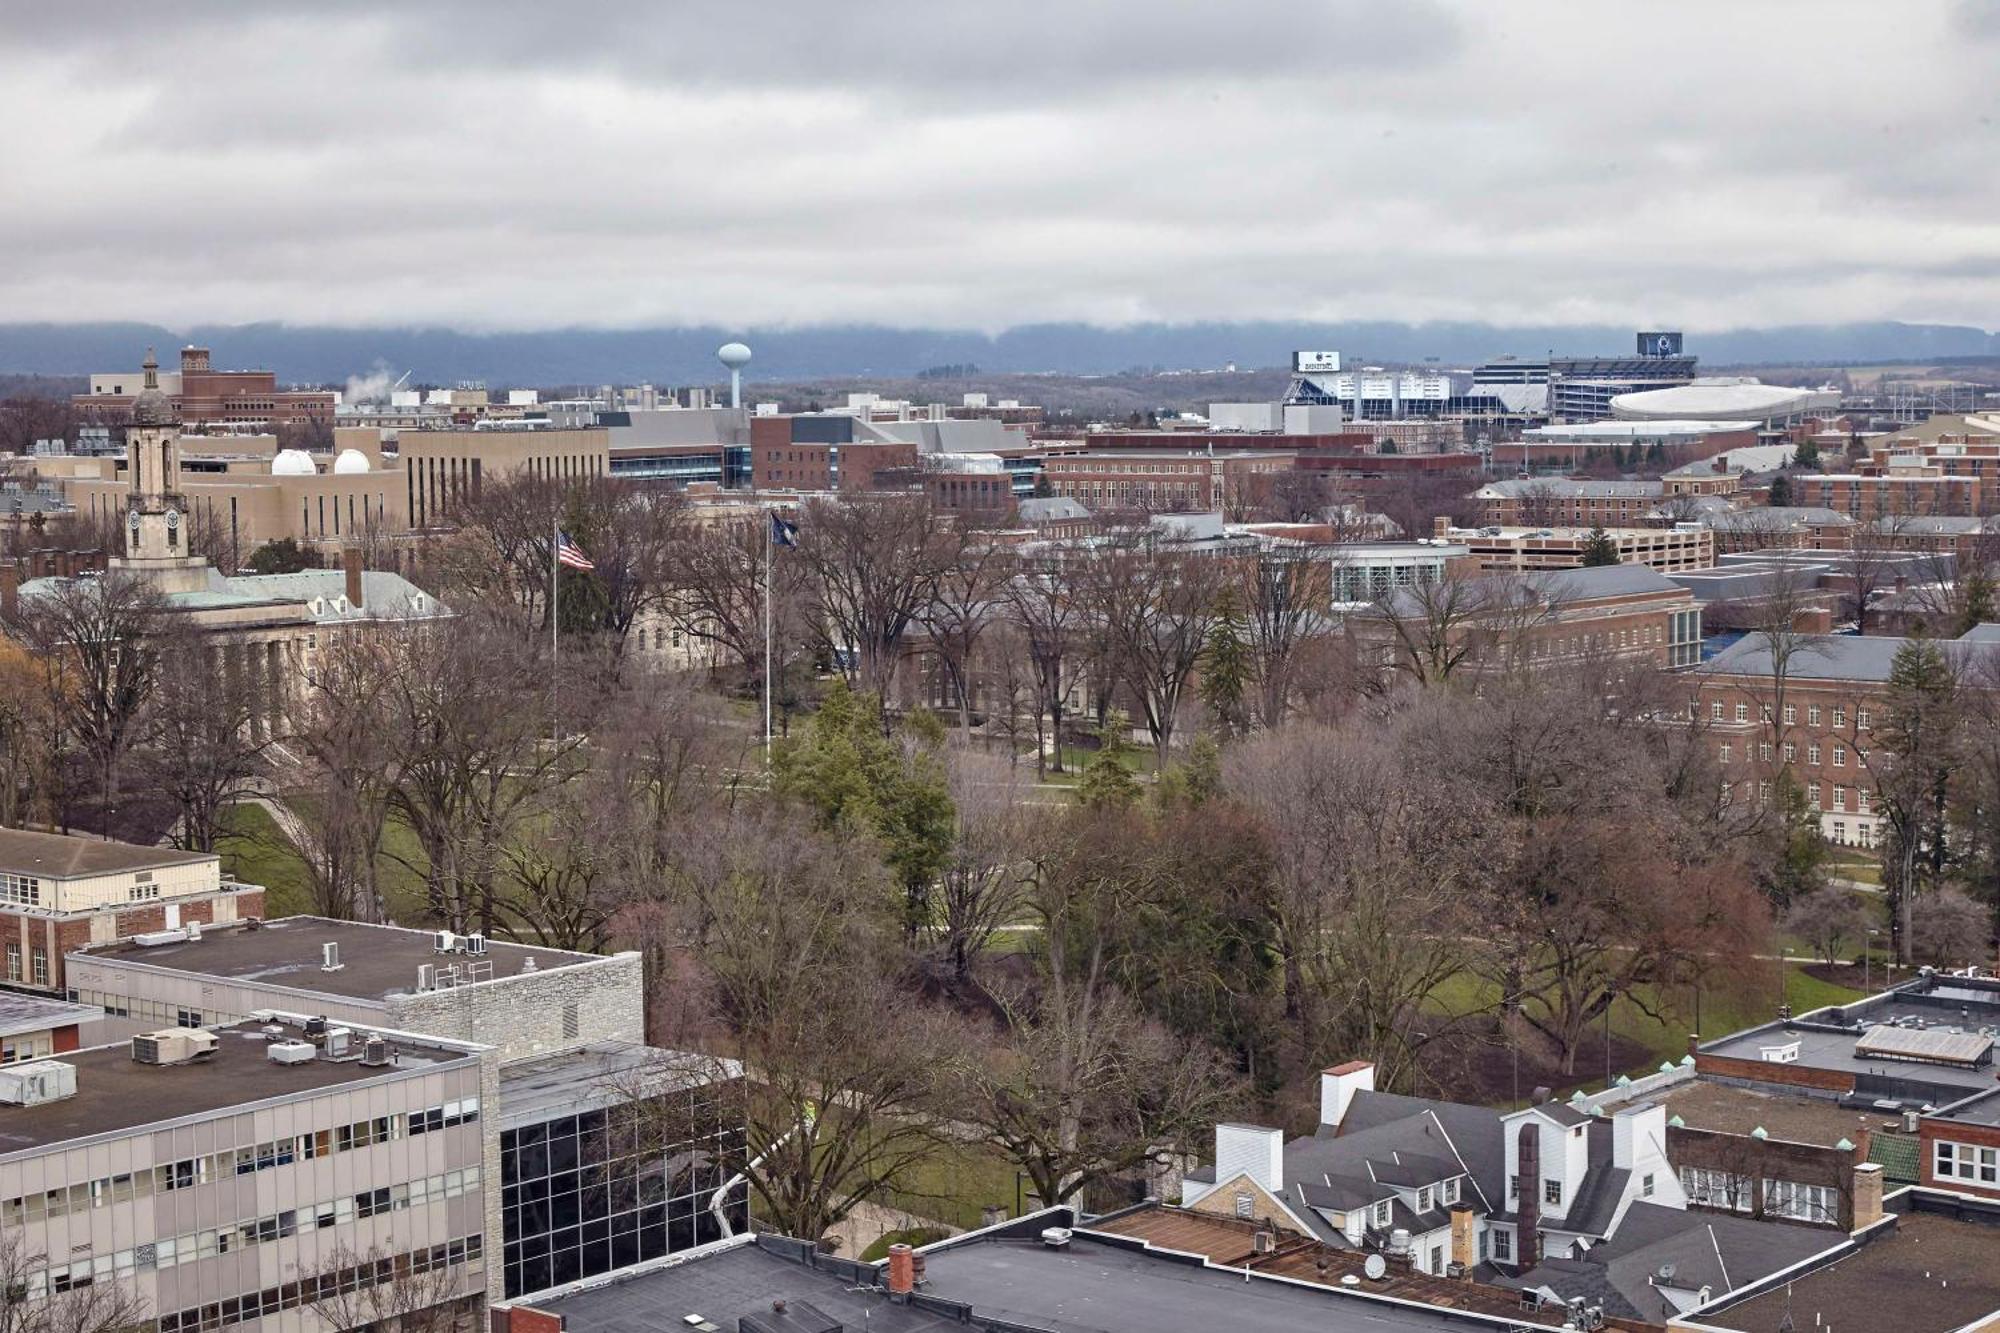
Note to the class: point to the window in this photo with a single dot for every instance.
(1424, 1199)
(1764, 751)
(1552, 1193)
(1715, 712)
(1743, 712)
(1791, 714)
(1448, 1192)
(1839, 797)
(1840, 717)
(1812, 754)
(1861, 719)
(41, 967)
(1791, 752)
(1812, 715)
(1503, 1245)
(1379, 1216)
(1966, 1161)
(1799, 1201)
(1724, 753)
(13, 961)
(1245, 1205)
(1646, 1186)
(1716, 1189)
(25, 890)
(1840, 756)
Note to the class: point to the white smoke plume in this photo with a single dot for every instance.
(372, 387)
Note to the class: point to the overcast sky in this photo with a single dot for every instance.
(503, 164)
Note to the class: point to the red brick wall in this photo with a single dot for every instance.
(1763, 1071)
(1930, 1131)
(60, 935)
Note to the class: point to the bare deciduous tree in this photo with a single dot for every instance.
(97, 1307)
(389, 1293)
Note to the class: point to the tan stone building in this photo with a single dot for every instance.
(442, 466)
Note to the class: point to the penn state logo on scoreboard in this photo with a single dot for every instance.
(1659, 344)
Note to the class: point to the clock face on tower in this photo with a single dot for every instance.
(132, 520)
(173, 518)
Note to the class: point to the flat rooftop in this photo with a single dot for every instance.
(1792, 1117)
(375, 961)
(116, 1093)
(1091, 1286)
(1834, 1051)
(34, 1013)
(584, 1078)
(1931, 1274)
(60, 856)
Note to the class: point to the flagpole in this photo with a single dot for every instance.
(769, 532)
(555, 625)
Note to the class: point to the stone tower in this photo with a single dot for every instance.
(154, 510)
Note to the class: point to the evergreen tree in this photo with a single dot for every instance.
(1196, 780)
(1043, 487)
(1975, 601)
(1108, 783)
(1806, 455)
(1913, 778)
(1781, 491)
(1226, 667)
(1798, 864)
(1599, 549)
(853, 777)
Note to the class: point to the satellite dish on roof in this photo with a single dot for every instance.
(1666, 1273)
(1375, 1267)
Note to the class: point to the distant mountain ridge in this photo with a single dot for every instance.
(685, 355)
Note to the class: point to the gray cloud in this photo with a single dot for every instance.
(507, 165)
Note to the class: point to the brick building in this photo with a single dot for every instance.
(1960, 1145)
(1780, 527)
(827, 452)
(203, 394)
(1905, 491)
(1835, 687)
(1163, 479)
(59, 894)
(1551, 502)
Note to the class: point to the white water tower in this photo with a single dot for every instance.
(735, 356)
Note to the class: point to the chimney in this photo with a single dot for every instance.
(1867, 1195)
(1528, 1228)
(350, 560)
(10, 588)
(902, 1270)
(1441, 526)
(1464, 1239)
(1253, 1151)
(1337, 1087)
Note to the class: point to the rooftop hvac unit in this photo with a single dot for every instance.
(173, 1046)
(315, 1026)
(1264, 1242)
(339, 1042)
(33, 1084)
(153, 939)
(426, 976)
(528, 963)
(193, 931)
(1056, 1238)
(375, 1051)
(474, 943)
(444, 942)
(290, 1052)
(329, 955)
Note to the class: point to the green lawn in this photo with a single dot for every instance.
(954, 1182)
(254, 851)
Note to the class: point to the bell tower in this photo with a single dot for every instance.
(154, 508)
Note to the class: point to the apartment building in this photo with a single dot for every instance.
(1835, 687)
(1163, 479)
(59, 894)
(1780, 527)
(1897, 493)
(1559, 502)
(252, 1172)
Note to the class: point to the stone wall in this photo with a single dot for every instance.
(533, 1013)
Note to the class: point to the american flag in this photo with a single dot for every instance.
(570, 554)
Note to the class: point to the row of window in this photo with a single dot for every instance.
(1863, 798)
(1718, 712)
(191, 1171)
(40, 960)
(195, 1246)
(1969, 1162)
(1792, 1199)
(21, 890)
(327, 1287)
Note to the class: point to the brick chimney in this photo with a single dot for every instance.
(1441, 526)
(902, 1270)
(10, 588)
(1528, 1228)
(1867, 1195)
(350, 560)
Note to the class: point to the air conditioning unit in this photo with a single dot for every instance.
(33, 1084)
(375, 1051)
(329, 954)
(173, 1046)
(153, 939)
(339, 1042)
(1264, 1242)
(426, 977)
(290, 1052)
(445, 942)
(193, 931)
(474, 943)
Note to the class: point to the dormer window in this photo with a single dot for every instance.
(1448, 1192)
(1424, 1199)
(1380, 1214)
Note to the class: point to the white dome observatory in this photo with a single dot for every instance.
(350, 462)
(292, 463)
(735, 356)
